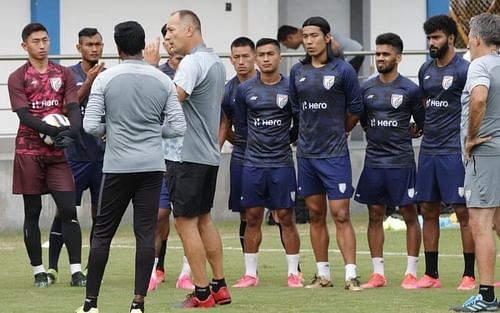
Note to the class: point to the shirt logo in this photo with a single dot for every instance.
(292, 195)
(302, 79)
(253, 98)
(396, 100)
(281, 100)
(328, 81)
(411, 192)
(56, 83)
(447, 81)
(461, 191)
(427, 77)
(369, 97)
(342, 187)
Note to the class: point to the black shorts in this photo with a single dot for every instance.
(191, 187)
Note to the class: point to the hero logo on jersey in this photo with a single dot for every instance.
(328, 81)
(447, 82)
(56, 83)
(396, 100)
(281, 100)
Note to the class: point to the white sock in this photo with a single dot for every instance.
(293, 264)
(251, 260)
(412, 265)
(323, 269)
(378, 266)
(350, 271)
(38, 269)
(74, 268)
(186, 269)
(153, 272)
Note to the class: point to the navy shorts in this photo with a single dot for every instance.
(235, 172)
(332, 176)
(440, 178)
(164, 198)
(273, 188)
(386, 186)
(87, 174)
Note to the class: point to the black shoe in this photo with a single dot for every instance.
(78, 279)
(41, 280)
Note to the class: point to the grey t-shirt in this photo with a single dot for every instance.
(484, 71)
(134, 96)
(201, 75)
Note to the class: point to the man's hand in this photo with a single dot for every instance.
(64, 138)
(415, 132)
(152, 52)
(94, 71)
(470, 143)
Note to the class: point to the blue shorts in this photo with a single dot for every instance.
(273, 188)
(332, 176)
(235, 173)
(87, 175)
(386, 186)
(440, 178)
(164, 198)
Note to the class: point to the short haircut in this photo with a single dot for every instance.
(390, 39)
(32, 28)
(442, 23)
(268, 41)
(88, 32)
(286, 30)
(243, 42)
(486, 26)
(164, 30)
(183, 14)
(129, 37)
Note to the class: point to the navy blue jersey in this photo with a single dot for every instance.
(86, 148)
(240, 127)
(442, 87)
(165, 68)
(268, 114)
(322, 97)
(388, 109)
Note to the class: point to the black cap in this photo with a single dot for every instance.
(319, 22)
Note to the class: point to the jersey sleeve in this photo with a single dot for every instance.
(174, 124)
(71, 90)
(292, 97)
(417, 107)
(363, 116)
(477, 75)
(95, 109)
(240, 107)
(187, 74)
(226, 102)
(354, 102)
(421, 79)
(17, 94)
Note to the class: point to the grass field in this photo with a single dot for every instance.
(272, 295)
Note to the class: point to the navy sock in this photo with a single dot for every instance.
(243, 226)
(431, 264)
(217, 284)
(469, 259)
(488, 293)
(202, 293)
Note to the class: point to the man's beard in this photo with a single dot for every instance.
(386, 69)
(439, 53)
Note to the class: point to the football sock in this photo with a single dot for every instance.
(55, 242)
(217, 284)
(350, 271)
(469, 259)
(186, 269)
(488, 292)
(202, 293)
(38, 269)
(323, 269)
(411, 265)
(293, 264)
(31, 230)
(378, 266)
(75, 268)
(243, 226)
(89, 304)
(431, 264)
(137, 305)
(161, 258)
(251, 260)
(153, 272)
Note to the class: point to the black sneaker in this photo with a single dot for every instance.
(78, 279)
(41, 280)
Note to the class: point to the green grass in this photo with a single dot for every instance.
(272, 295)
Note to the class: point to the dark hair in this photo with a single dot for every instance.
(324, 26)
(442, 23)
(129, 37)
(88, 32)
(32, 28)
(390, 39)
(188, 13)
(243, 42)
(164, 30)
(286, 30)
(268, 41)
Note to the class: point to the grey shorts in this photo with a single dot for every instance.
(482, 182)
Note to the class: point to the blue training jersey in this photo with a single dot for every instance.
(388, 109)
(322, 97)
(442, 87)
(240, 127)
(167, 70)
(86, 148)
(268, 114)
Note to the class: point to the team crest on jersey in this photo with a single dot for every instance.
(281, 100)
(447, 82)
(411, 192)
(396, 100)
(56, 83)
(460, 191)
(328, 81)
(342, 187)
